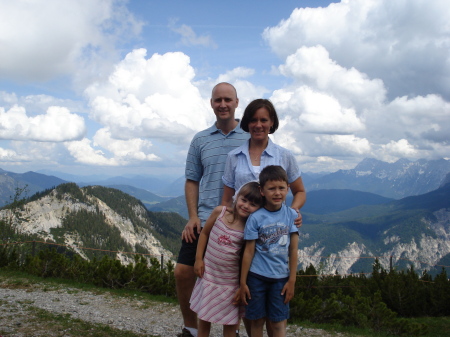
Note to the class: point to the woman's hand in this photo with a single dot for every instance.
(299, 219)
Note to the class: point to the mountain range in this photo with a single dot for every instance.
(414, 231)
(343, 230)
(392, 180)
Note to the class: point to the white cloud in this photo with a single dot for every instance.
(34, 153)
(356, 74)
(133, 149)
(423, 120)
(397, 149)
(56, 125)
(382, 38)
(8, 155)
(240, 77)
(118, 152)
(38, 104)
(84, 153)
(43, 39)
(189, 37)
(313, 67)
(314, 112)
(358, 78)
(151, 98)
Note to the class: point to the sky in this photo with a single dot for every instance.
(115, 87)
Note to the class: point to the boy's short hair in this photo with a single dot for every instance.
(272, 173)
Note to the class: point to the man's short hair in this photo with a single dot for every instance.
(214, 88)
(272, 173)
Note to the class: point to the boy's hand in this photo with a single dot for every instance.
(288, 291)
(245, 293)
(199, 268)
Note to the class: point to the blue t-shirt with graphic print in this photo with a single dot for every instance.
(272, 232)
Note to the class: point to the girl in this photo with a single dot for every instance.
(217, 269)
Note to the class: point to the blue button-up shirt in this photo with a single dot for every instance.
(239, 169)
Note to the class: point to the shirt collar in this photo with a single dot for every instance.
(214, 129)
(269, 150)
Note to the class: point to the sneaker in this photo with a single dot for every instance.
(185, 333)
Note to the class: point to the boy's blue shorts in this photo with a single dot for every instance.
(266, 300)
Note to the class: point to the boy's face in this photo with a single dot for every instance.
(275, 192)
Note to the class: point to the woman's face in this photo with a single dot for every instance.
(260, 124)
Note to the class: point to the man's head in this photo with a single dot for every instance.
(224, 101)
(273, 181)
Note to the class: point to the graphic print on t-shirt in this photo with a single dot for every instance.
(273, 238)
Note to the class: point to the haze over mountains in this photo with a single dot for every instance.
(391, 180)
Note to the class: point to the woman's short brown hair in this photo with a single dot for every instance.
(254, 106)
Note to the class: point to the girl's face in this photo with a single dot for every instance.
(260, 124)
(245, 207)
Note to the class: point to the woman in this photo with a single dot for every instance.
(246, 162)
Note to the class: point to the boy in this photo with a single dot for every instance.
(269, 264)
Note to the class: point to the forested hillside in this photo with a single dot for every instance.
(94, 218)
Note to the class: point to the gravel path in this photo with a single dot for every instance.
(132, 314)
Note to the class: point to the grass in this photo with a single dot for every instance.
(65, 325)
(39, 322)
(17, 279)
(437, 327)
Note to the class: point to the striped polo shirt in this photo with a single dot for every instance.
(206, 162)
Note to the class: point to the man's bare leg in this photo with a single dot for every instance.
(185, 281)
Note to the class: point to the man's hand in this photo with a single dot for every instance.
(299, 219)
(188, 233)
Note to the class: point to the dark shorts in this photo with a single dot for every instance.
(187, 251)
(266, 300)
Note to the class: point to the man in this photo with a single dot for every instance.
(205, 164)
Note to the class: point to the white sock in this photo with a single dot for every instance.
(193, 331)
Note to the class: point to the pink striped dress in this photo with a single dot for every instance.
(213, 294)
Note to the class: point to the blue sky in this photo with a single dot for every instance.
(120, 87)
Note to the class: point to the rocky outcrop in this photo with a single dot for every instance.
(423, 252)
(40, 216)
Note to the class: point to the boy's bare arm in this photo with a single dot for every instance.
(246, 262)
(289, 287)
